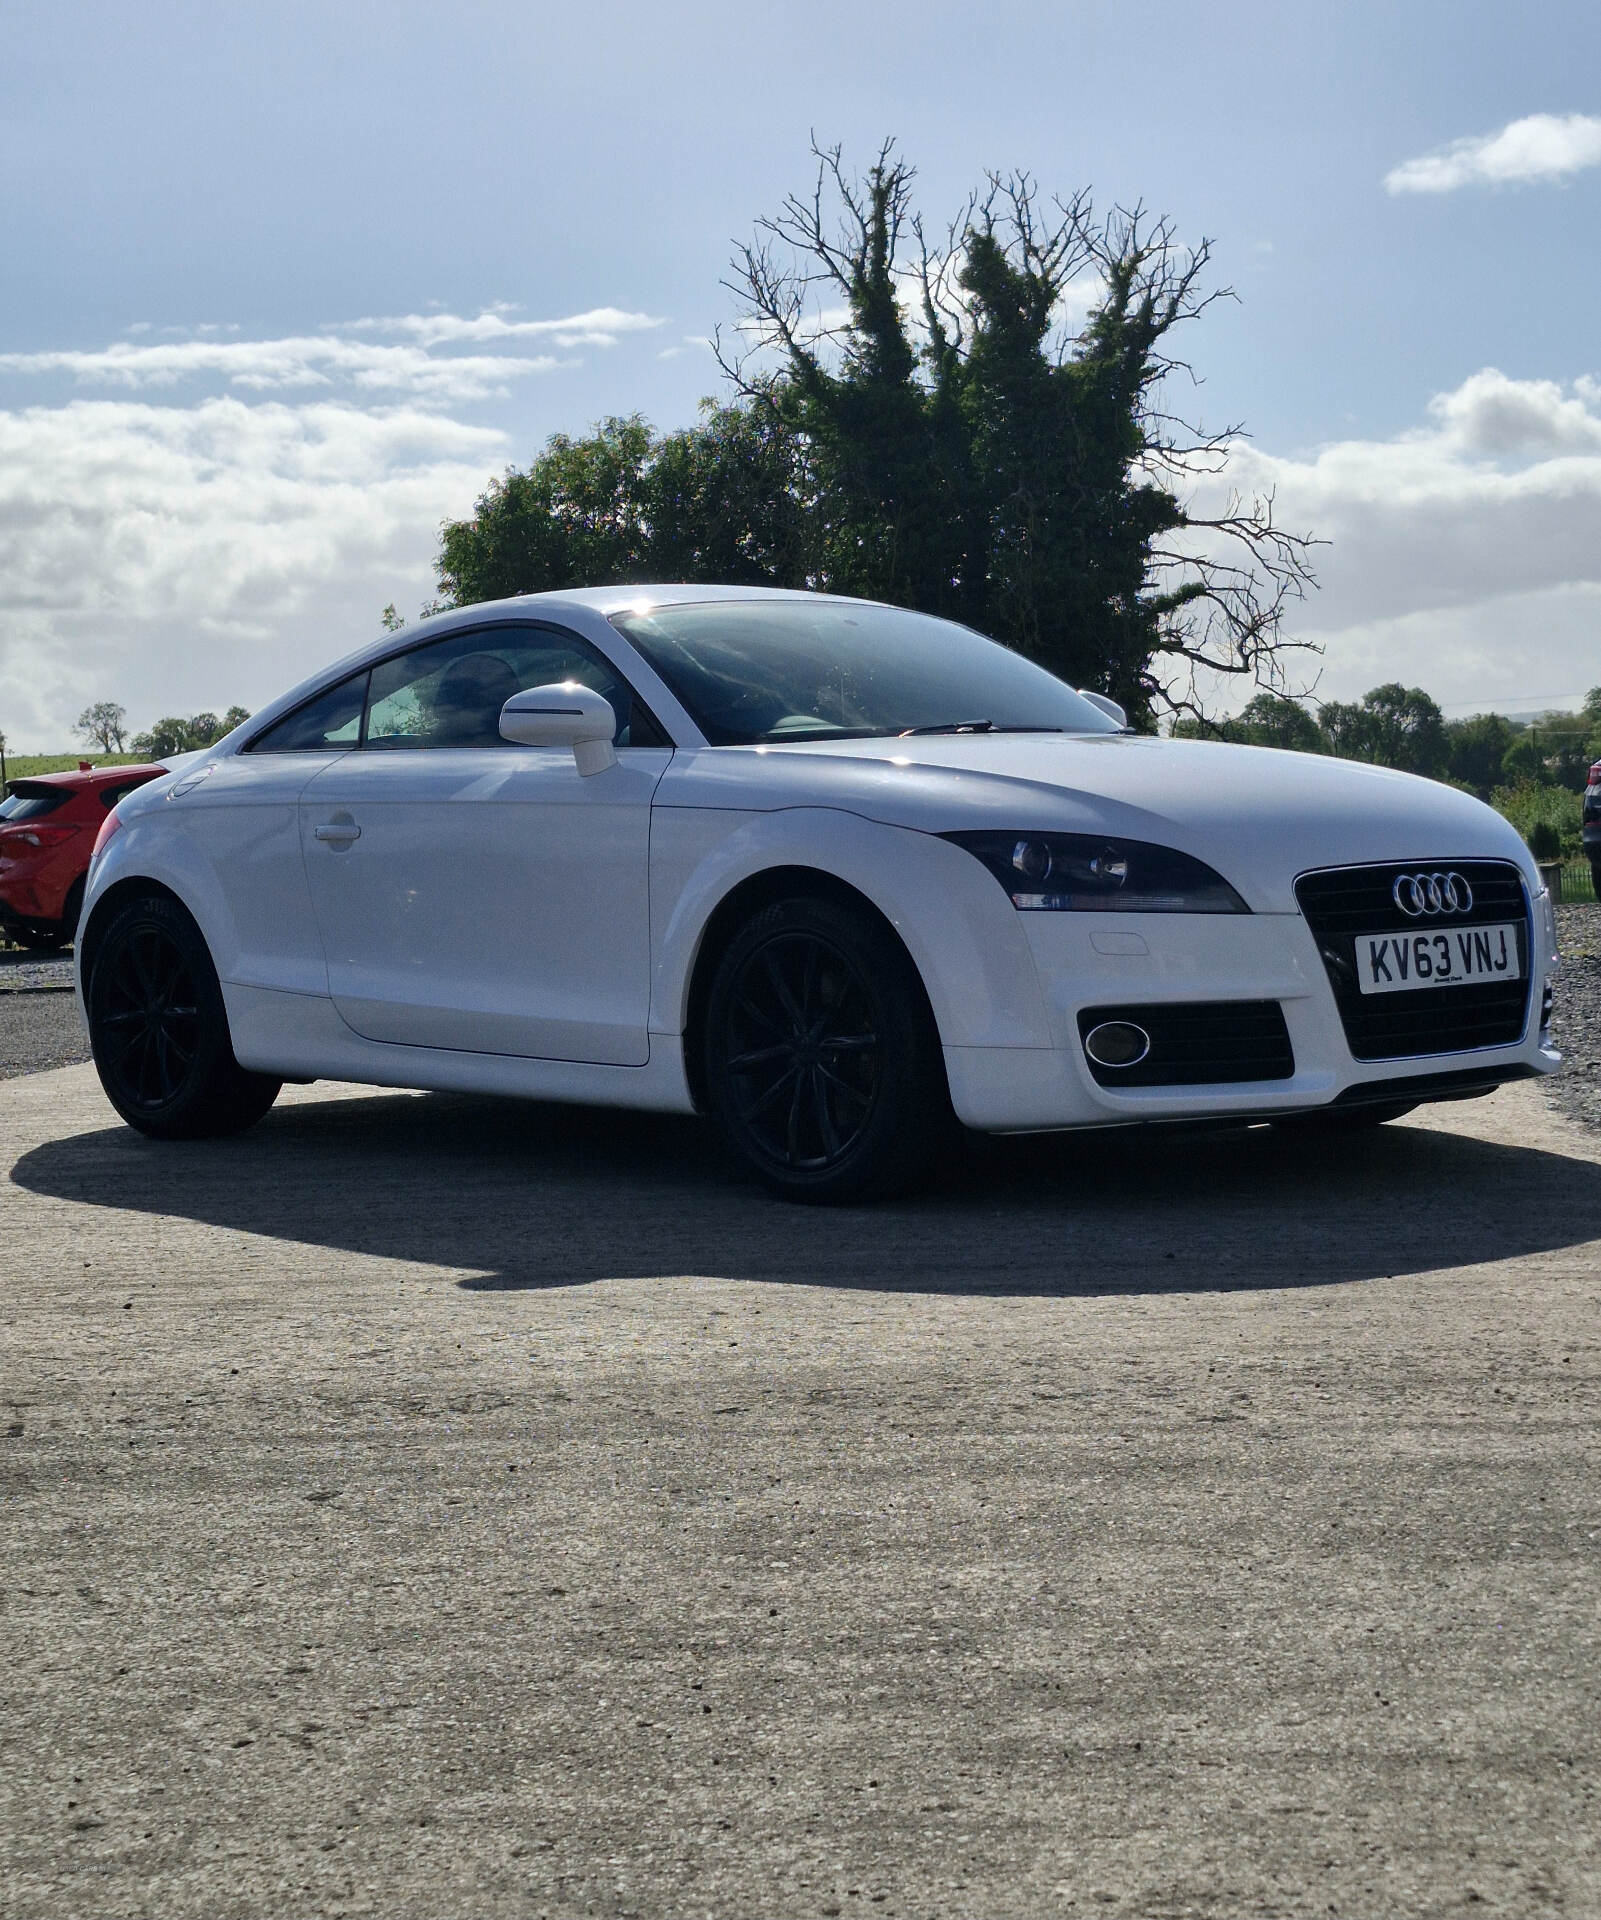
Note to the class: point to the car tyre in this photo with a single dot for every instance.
(1595, 878)
(158, 1029)
(822, 1062)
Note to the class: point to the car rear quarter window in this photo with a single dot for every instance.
(330, 722)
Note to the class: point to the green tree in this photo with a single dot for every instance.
(1563, 743)
(1476, 749)
(168, 736)
(1275, 720)
(105, 725)
(174, 734)
(974, 457)
(1394, 726)
(1521, 764)
(725, 500)
(1266, 720)
(940, 440)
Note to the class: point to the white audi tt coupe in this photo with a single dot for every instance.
(828, 871)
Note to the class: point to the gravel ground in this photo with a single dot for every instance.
(435, 1506)
(1576, 1016)
(39, 1025)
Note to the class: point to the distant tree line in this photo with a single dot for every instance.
(105, 725)
(1396, 726)
(975, 423)
(1533, 770)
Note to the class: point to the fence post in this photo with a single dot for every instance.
(1551, 878)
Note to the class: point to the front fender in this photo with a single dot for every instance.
(958, 926)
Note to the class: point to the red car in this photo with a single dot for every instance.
(47, 831)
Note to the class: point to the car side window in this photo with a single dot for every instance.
(450, 692)
(329, 722)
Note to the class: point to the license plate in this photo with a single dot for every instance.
(1466, 956)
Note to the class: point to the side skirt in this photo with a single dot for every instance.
(299, 1036)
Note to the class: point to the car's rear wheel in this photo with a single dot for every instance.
(1595, 877)
(159, 1030)
(823, 1066)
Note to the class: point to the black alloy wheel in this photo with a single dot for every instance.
(159, 1031)
(822, 1062)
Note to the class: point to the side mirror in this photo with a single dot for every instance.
(1106, 706)
(568, 715)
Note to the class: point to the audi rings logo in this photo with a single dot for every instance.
(1420, 894)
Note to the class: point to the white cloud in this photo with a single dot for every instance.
(218, 548)
(599, 327)
(279, 365)
(1463, 555)
(1544, 146)
(410, 367)
(1495, 416)
(179, 558)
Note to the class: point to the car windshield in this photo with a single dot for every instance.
(748, 671)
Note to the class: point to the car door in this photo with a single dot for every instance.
(481, 896)
(241, 817)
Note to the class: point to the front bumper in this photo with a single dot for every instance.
(1094, 961)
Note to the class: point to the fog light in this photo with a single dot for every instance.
(1117, 1043)
(1547, 1000)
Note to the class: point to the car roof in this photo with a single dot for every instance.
(531, 607)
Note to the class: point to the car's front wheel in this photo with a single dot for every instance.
(159, 1031)
(822, 1062)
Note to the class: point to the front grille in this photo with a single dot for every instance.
(1203, 1043)
(1347, 901)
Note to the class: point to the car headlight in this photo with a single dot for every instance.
(1083, 873)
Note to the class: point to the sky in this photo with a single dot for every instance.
(283, 286)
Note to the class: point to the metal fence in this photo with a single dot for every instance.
(1578, 889)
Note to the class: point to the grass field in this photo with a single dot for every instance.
(23, 766)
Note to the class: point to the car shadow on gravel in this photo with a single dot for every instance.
(510, 1196)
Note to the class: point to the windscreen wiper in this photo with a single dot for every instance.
(971, 726)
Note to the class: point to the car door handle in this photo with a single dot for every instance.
(339, 832)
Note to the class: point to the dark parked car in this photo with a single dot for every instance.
(47, 832)
(1592, 826)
